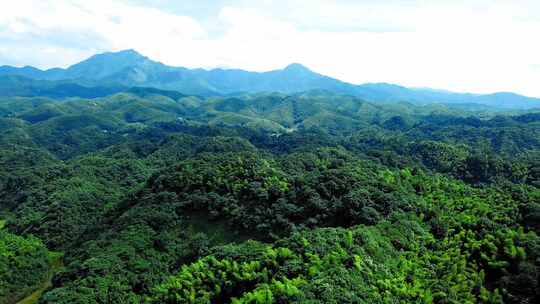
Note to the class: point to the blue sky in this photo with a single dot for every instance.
(476, 45)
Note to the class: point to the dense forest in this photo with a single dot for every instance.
(153, 196)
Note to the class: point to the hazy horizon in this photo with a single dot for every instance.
(472, 46)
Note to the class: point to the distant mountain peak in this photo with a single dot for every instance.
(128, 51)
(106, 64)
(129, 54)
(129, 68)
(296, 67)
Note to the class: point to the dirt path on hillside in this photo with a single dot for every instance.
(33, 298)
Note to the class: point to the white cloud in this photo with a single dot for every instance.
(38, 30)
(478, 46)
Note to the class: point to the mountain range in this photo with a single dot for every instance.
(113, 72)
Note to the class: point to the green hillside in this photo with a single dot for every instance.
(154, 196)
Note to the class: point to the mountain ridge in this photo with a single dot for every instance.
(128, 68)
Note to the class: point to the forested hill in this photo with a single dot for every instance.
(108, 72)
(155, 196)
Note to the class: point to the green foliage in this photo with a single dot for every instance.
(24, 263)
(153, 197)
(404, 258)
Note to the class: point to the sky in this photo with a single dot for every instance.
(477, 46)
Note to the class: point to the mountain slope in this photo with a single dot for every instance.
(129, 68)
